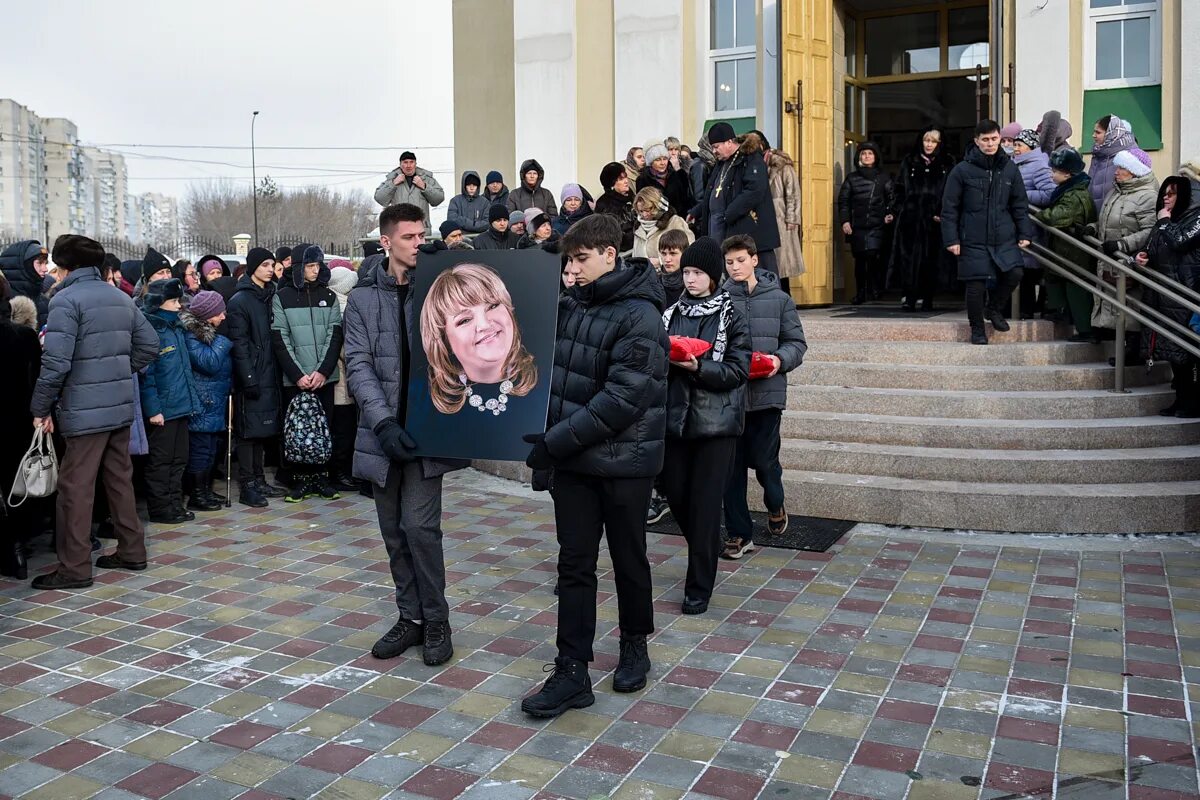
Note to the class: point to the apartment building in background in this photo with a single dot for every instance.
(22, 171)
(111, 191)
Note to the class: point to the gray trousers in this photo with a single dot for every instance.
(409, 507)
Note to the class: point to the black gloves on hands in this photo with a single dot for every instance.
(429, 248)
(395, 441)
(1111, 248)
(539, 457)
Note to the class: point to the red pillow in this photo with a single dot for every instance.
(684, 346)
(761, 365)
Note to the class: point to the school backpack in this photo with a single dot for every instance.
(306, 437)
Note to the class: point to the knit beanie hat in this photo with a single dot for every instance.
(208, 263)
(516, 218)
(1128, 161)
(342, 280)
(705, 254)
(153, 262)
(721, 132)
(280, 253)
(611, 173)
(1067, 159)
(1029, 138)
(207, 304)
(1011, 131)
(448, 227)
(258, 255)
(160, 291)
(408, 155)
(471, 179)
(1141, 155)
(497, 211)
(656, 150)
(570, 190)
(494, 177)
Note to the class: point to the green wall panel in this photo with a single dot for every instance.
(740, 124)
(1140, 105)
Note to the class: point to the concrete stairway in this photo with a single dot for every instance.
(902, 421)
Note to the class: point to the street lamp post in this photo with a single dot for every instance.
(254, 176)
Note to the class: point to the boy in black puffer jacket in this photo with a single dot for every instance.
(605, 442)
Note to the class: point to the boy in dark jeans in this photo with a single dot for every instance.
(605, 442)
(775, 331)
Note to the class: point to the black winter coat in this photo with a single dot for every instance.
(608, 394)
(491, 240)
(1174, 249)
(621, 207)
(257, 396)
(710, 402)
(985, 211)
(918, 240)
(678, 190)
(746, 191)
(20, 359)
(23, 279)
(866, 197)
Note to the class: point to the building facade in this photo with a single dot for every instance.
(576, 83)
(22, 171)
(111, 191)
(70, 188)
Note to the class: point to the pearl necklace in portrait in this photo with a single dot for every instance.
(497, 405)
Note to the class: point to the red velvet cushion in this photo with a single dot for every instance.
(761, 365)
(684, 346)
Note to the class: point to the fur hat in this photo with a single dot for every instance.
(313, 254)
(1029, 138)
(494, 177)
(1011, 131)
(153, 262)
(160, 291)
(721, 132)
(24, 311)
(570, 190)
(1066, 159)
(497, 211)
(1131, 163)
(1053, 132)
(1190, 169)
(611, 173)
(705, 254)
(656, 150)
(207, 304)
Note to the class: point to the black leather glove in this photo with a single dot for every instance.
(539, 457)
(429, 248)
(395, 441)
(1111, 248)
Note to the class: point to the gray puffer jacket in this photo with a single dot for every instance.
(95, 340)
(374, 368)
(1128, 214)
(388, 193)
(775, 329)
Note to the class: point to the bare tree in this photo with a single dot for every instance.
(219, 210)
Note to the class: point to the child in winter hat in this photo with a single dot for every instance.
(705, 254)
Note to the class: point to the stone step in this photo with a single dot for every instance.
(947, 353)
(1079, 508)
(1133, 465)
(989, 378)
(1080, 404)
(1014, 434)
(826, 327)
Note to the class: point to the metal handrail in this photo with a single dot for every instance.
(1126, 306)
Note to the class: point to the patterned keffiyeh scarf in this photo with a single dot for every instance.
(719, 303)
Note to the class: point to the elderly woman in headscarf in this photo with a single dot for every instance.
(1110, 136)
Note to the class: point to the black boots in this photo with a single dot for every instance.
(201, 497)
(998, 321)
(12, 558)
(569, 686)
(251, 496)
(266, 489)
(633, 666)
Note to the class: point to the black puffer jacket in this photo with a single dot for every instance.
(620, 206)
(492, 240)
(985, 211)
(710, 402)
(677, 191)
(866, 198)
(608, 395)
(1174, 248)
(16, 262)
(257, 400)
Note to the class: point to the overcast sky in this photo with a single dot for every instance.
(348, 73)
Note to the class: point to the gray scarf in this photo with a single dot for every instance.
(718, 303)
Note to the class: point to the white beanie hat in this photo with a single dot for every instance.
(1128, 161)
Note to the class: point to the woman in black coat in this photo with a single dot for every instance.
(257, 396)
(865, 205)
(917, 253)
(20, 361)
(706, 410)
(671, 181)
(617, 201)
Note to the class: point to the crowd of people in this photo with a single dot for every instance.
(675, 337)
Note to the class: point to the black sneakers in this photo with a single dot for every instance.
(438, 647)
(403, 635)
(569, 686)
(267, 490)
(998, 321)
(657, 510)
(633, 666)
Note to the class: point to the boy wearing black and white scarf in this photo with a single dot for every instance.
(705, 413)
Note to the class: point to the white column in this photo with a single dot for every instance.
(544, 88)
(648, 52)
(1189, 78)
(1043, 60)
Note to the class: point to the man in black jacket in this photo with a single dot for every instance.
(985, 223)
(605, 442)
(737, 198)
(497, 236)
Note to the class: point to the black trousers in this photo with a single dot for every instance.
(250, 456)
(924, 279)
(757, 449)
(165, 465)
(343, 426)
(696, 474)
(587, 507)
(868, 273)
(325, 395)
(767, 260)
(1006, 283)
(1031, 300)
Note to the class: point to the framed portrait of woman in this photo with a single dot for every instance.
(480, 379)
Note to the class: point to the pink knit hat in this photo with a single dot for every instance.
(1011, 131)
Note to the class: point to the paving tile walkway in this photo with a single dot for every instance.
(890, 667)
